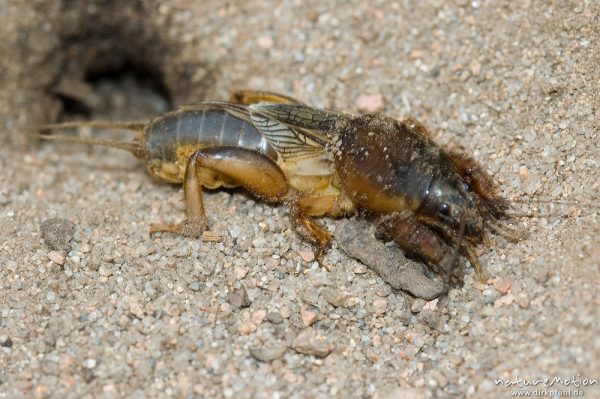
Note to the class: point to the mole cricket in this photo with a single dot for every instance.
(435, 204)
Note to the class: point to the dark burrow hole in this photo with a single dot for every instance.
(128, 92)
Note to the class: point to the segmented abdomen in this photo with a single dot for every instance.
(201, 126)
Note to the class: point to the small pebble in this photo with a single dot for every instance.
(488, 311)
(380, 306)
(522, 300)
(89, 363)
(57, 257)
(275, 317)
(240, 272)
(196, 286)
(238, 299)
(523, 172)
(265, 41)
(311, 343)
(263, 226)
(247, 327)
(136, 310)
(51, 296)
(308, 317)
(5, 341)
(489, 296)
(360, 269)
(361, 313)
(503, 286)
(268, 353)
(258, 316)
(335, 297)
(311, 296)
(105, 270)
(383, 290)
(418, 341)
(417, 305)
(307, 255)
(504, 300)
(430, 317)
(369, 103)
(431, 305)
(87, 375)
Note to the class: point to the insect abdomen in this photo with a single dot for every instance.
(201, 127)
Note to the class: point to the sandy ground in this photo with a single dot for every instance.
(118, 313)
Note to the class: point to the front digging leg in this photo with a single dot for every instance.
(416, 238)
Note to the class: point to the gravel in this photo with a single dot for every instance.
(126, 314)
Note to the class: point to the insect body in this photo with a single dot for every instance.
(433, 203)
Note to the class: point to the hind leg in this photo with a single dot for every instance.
(248, 97)
(215, 166)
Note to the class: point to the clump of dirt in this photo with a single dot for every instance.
(57, 232)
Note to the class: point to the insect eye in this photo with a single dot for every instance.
(467, 187)
(444, 209)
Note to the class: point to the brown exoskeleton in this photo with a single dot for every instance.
(433, 203)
